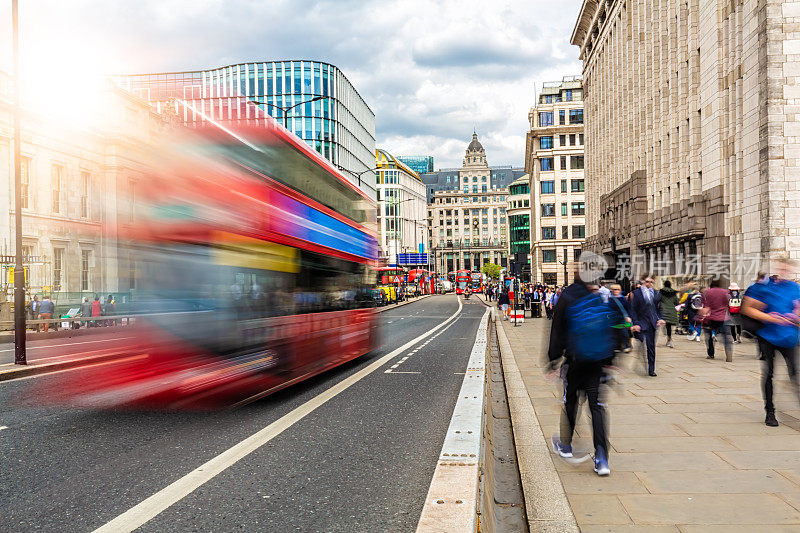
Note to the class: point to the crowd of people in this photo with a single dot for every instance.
(44, 310)
(592, 323)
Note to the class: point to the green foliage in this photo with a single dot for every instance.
(492, 270)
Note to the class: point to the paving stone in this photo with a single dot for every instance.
(708, 509)
(598, 509)
(651, 461)
(750, 528)
(694, 407)
(591, 483)
(670, 444)
(715, 481)
(630, 528)
(762, 459)
(765, 442)
(741, 428)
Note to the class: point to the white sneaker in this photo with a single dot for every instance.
(698, 339)
(692, 336)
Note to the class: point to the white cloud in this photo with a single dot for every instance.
(431, 71)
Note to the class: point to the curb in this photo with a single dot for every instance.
(546, 503)
(33, 369)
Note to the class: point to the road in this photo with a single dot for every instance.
(362, 461)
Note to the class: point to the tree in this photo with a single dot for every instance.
(492, 270)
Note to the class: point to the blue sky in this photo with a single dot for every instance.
(430, 70)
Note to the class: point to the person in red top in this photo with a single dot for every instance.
(714, 314)
(97, 310)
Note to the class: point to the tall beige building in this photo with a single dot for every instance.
(78, 191)
(467, 227)
(554, 157)
(692, 132)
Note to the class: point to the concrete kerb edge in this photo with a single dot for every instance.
(24, 371)
(546, 501)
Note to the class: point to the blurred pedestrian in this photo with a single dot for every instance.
(734, 312)
(669, 302)
(646, 315)
(604, 291)
(503, 301)
(619, 301)
(33, 311)
(714, 315)
(694, 303)
(86, 309)
(548, 301)
(97, 310)
(110, 309)
(776, 305)
(46, 310)
(581, 340)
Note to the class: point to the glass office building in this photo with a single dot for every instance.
(312, 99)
(418, 163)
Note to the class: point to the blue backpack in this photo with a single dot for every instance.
(589, 333)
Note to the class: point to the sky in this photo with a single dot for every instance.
(431, 71)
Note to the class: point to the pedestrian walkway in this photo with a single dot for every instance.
(689, 448)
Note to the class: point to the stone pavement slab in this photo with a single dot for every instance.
(689, 449)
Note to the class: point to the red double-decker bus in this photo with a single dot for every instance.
(255, 270)
(463, 280)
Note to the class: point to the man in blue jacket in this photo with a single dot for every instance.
(646, 316)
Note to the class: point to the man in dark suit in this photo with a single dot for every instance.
(646, 316)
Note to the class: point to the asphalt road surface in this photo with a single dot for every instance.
(362, 461)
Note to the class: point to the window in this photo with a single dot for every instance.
(548, 233)
(549, 278)
(546, 143)
(548, 99)
(576, 116)
(564, 210)
(548, 210)
(565, 232)
(576, 185)
(546, 164)
(548, 256)
(483, 188)
(572, 139)
(578, 208)
(546, 118)
(568, 95)
(547, 187)
(576, 253)
(25, 178)
(563, 162)
(562, 120)
(563, 185)
(576, 161)
(58, 263)
(474, 188)
(56, 175)
(578, 232)
(86, 256)
(562, 140)
(85, 185)
(580, 139)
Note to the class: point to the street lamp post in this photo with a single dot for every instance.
(358, 174)
(20, 356)
(285, 109)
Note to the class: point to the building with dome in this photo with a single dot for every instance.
(467, 222)
(401, 207)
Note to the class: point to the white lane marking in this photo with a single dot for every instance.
(392, 371)
(455, 480)
(3, 427)
(70, 344)
(148, 509)
(73, 369)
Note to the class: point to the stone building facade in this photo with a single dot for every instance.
(692, 133)
(401, 207)
(78, 185)
(467, 226)
(554, 156)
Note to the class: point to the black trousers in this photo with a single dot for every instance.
(789, 354)
(584, 379)
(648, 337)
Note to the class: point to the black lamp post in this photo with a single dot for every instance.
(20, 356)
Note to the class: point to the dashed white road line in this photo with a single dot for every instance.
(148, 509)
(3, 427)
(392, 369)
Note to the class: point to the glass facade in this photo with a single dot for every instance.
(312, 99)
(418, 163)
(519, 233)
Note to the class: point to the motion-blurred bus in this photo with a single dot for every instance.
(463, 280)
(254, 262)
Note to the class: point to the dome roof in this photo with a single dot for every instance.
(475, 146)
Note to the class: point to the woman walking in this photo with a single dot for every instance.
(715, 313)
(669, 300)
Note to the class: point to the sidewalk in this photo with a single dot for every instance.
(689, 450)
